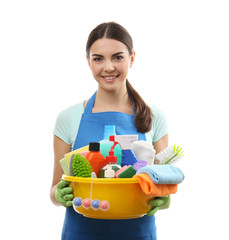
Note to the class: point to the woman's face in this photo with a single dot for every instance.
(109, 61)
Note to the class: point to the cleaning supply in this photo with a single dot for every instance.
(121, 170)
(125, 141)
(153, 189)
(79, 150)
(111, 159)
(115, 167)
(163, 174)
(79, 166)
(65, 166)
(84, 153)
(129, 172)
(143, 150)
(170, 155)
(109, 172)
(95, 158)
(105, 144)
(139, 164)
(88, 203)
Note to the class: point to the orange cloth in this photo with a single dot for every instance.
(157, 190)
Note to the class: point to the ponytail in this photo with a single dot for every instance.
(143, 115)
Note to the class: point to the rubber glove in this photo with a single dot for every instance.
(158, 204)
(64, 194)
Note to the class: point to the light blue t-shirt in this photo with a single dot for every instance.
(68, 120)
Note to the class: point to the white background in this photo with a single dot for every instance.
(181, 66)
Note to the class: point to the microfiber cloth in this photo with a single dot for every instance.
(163, 174)
(152, 189)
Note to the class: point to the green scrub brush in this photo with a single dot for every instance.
(79, 166)
(170, 155)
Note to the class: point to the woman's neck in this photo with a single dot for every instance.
(112, 101)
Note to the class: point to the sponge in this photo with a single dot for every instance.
(127, 172)
(79, 150)
(65, 166)
(79, 166)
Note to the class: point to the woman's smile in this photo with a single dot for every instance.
(110, 78)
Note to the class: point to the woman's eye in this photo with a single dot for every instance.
(118, 57)
(98, 59)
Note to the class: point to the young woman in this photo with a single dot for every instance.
(110, 55)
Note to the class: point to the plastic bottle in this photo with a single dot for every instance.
(105, 144)
(111, 159)
(95, 158)
(125, 141)
(109, 172)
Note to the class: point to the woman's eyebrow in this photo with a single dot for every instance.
(98, 55)
(117, 54)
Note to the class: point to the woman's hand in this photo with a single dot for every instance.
(63, 193)
(60, 149)
(158, 204)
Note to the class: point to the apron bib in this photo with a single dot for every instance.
(78, 227)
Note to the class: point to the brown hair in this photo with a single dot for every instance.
(112, 30)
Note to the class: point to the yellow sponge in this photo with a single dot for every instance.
(65, 166)
(68, 156)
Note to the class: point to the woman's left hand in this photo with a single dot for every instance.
(158, 204)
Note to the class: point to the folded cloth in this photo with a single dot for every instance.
(163, 174)
(157, 190)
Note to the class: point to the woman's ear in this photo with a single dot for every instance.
(132, 57)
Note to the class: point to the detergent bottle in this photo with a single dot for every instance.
(105, 144)
(111, 159)
(95, 158)
(125, 141)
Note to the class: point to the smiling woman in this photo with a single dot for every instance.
(110, 55)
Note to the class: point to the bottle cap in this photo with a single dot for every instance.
(94, 146)
(111, 158)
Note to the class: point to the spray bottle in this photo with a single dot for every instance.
(111, 159)
(125, 141)
(105, 144)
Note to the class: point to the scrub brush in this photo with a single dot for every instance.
(170, 155)
(79, 166)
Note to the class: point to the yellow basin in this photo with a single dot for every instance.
(125, 197)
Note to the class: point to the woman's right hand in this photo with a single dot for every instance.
(63, 193)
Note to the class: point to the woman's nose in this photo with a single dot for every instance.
(109, 66)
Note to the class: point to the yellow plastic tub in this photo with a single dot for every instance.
(125, 197)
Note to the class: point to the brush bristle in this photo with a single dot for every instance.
(80, 166)
(170, 155)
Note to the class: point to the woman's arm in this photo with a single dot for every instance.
(160, 145)
(60, 149)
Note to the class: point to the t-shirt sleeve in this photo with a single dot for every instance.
(159, 126)
(67, 123)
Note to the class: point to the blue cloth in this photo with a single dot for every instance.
(163, 174)
(78, 227)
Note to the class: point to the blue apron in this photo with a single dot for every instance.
(78, 227)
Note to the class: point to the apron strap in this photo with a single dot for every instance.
(90, 104)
